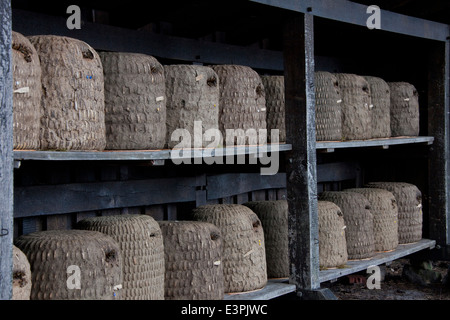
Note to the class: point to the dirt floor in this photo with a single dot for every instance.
(399, 283)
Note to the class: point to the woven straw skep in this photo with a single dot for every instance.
(409, 202)
(328, 107)
(73, 97)
(356, 107)
(27, 91)
(193, 260)
(21, 287)
(135, 101)
(140, 240)
(242, 104)
(405, 118)
(383, 207)
(58, 258)
(243, 256)
(275, 106)
(358, 221)
(274, 219)
(192, 95)
(332, 242)
(381, 106)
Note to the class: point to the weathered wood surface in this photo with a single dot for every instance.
(6, 151)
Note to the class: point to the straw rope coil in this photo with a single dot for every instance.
(140, 240)
(381, 103)
(59, 257)
(21, 287)
(275, 107)
(405, 118)
(73, 106)
(244, 257)
(193, 260)
(135, 101)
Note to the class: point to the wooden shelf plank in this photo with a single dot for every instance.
(384, 143)
(380, 258)
(272, 290)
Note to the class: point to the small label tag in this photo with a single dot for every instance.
(159, 99)
(22, 90)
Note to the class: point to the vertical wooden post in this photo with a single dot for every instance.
(6, 151)
(438, 127)
(301, 161)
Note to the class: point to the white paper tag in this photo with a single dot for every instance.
(22, 90)
(159, 99)
(199, 77)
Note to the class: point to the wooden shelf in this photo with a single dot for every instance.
(273, 289)
(380, 258)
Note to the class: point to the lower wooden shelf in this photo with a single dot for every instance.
(354, 266)
(273, 289)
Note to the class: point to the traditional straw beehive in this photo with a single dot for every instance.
(192, 95)
(193, 260)
(275, 106)
(381, 106)
(243, 256)
(356, 105)
(135, 101)
(21, 276)
(383, 207)
(73, 106)
(328, 107)
(242, 104)
(140, 240)
(27, 92)
(274, 219)
(72, 265)
(358, 221)
(409, 202)
(332, 242)
(404, 109)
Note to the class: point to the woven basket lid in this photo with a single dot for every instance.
(405, 117)
(192, 95)
(383, 207)
(27, 91)
(193, 260)
(274, 219)
(56, 256)
(409, 202)
(242, 103)
(21, 276)
(358, 220)
(244, 257)
(73, 97)
(140, 240)
(332, 240)
(381, 106)
(328, 107)
(275, 106)
(355, 106)
(135, 101)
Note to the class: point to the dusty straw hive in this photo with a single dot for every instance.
(274, 219)
(356, 107)
(21, 276)
(73, 105)
(243, 256)
(193, 260)
(135, 101)
(275, 106)
(140, 240)
(27, 92)
(242, 104)
(192, 95)
(72, 265)
(381, 106)
(409, 202)
(328, 107)
(383, 207)
(404, 109)
(332, 242)
(358, 221)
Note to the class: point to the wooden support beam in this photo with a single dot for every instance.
(301, 173)
(438, 127)
(6, 151)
